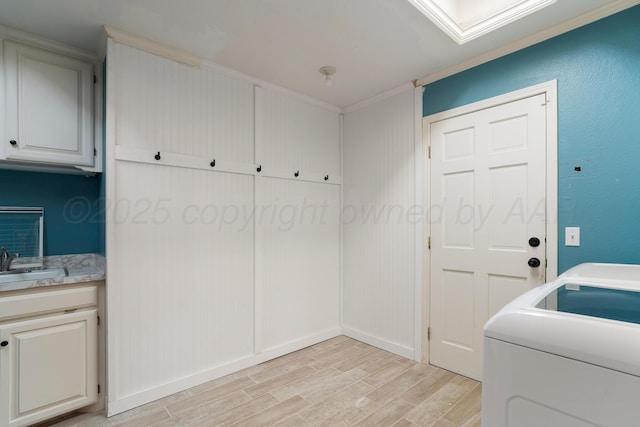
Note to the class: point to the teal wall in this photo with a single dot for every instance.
(598, 72)
(72, 218)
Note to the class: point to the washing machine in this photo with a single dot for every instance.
(566, 354)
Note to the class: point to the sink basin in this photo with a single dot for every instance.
(21, 276)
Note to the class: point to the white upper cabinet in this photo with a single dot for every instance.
(48, 107)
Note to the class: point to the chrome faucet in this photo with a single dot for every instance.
(5, 259)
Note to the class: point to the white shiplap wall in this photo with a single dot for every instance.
(296, 136)
(200, 283)
(297, 261)
(379, 223)
(163, 105)
(184, 278)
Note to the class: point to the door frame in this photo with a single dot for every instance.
(423, 183)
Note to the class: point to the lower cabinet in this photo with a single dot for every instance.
(48, 362)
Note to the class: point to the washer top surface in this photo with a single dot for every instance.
(590, 313)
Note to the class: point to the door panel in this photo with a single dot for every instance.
(458, 226)
(507, 189)
(488, 179)
(458, 291)
(503, 289)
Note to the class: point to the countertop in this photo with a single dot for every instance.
(80, 268)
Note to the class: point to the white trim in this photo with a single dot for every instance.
(111, 292)
(549, 88)
(269, 172)
(377, 98)
(418, 240)
(124, 403)
(425, 185)
(101, 52)
(153, 47)
(341, 225)
(21, 36)
(180, 160)
(552, 180)
(504, 98)
(258, 257)
(461, 34)
(381, 343)
(541, 36)
(147, 156)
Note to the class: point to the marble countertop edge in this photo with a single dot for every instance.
(80, 268)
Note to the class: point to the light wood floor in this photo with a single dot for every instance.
(339, 382)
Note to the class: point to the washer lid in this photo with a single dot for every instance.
(533, 320)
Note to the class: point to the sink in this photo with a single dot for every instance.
(21, 275)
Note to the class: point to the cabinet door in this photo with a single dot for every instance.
(48, 366)
(48, 107)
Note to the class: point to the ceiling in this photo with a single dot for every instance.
(375, 45)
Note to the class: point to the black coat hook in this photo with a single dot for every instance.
(213, 163)
(259, 168)
(326, 177)
(157, 156)
(297, 174)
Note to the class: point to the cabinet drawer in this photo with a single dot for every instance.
(49, 301)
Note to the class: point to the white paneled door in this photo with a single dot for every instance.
(488, 220)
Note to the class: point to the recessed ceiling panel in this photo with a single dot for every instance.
(465, 20)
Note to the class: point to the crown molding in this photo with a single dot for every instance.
(377, 98)
(153, 47)
(24, 37)
(541, 36)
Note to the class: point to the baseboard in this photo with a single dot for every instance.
(286, 348)
(382, 343)
(145, 396)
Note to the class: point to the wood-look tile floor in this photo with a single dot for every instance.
(338, 382)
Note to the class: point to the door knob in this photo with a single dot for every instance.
(533, 262)
(534, 242)
(13, 142)
(4, 343)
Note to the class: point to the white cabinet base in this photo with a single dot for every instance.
(48, 364)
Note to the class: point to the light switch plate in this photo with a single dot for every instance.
(572, 236)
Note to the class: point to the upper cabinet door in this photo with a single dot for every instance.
(48, 107)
